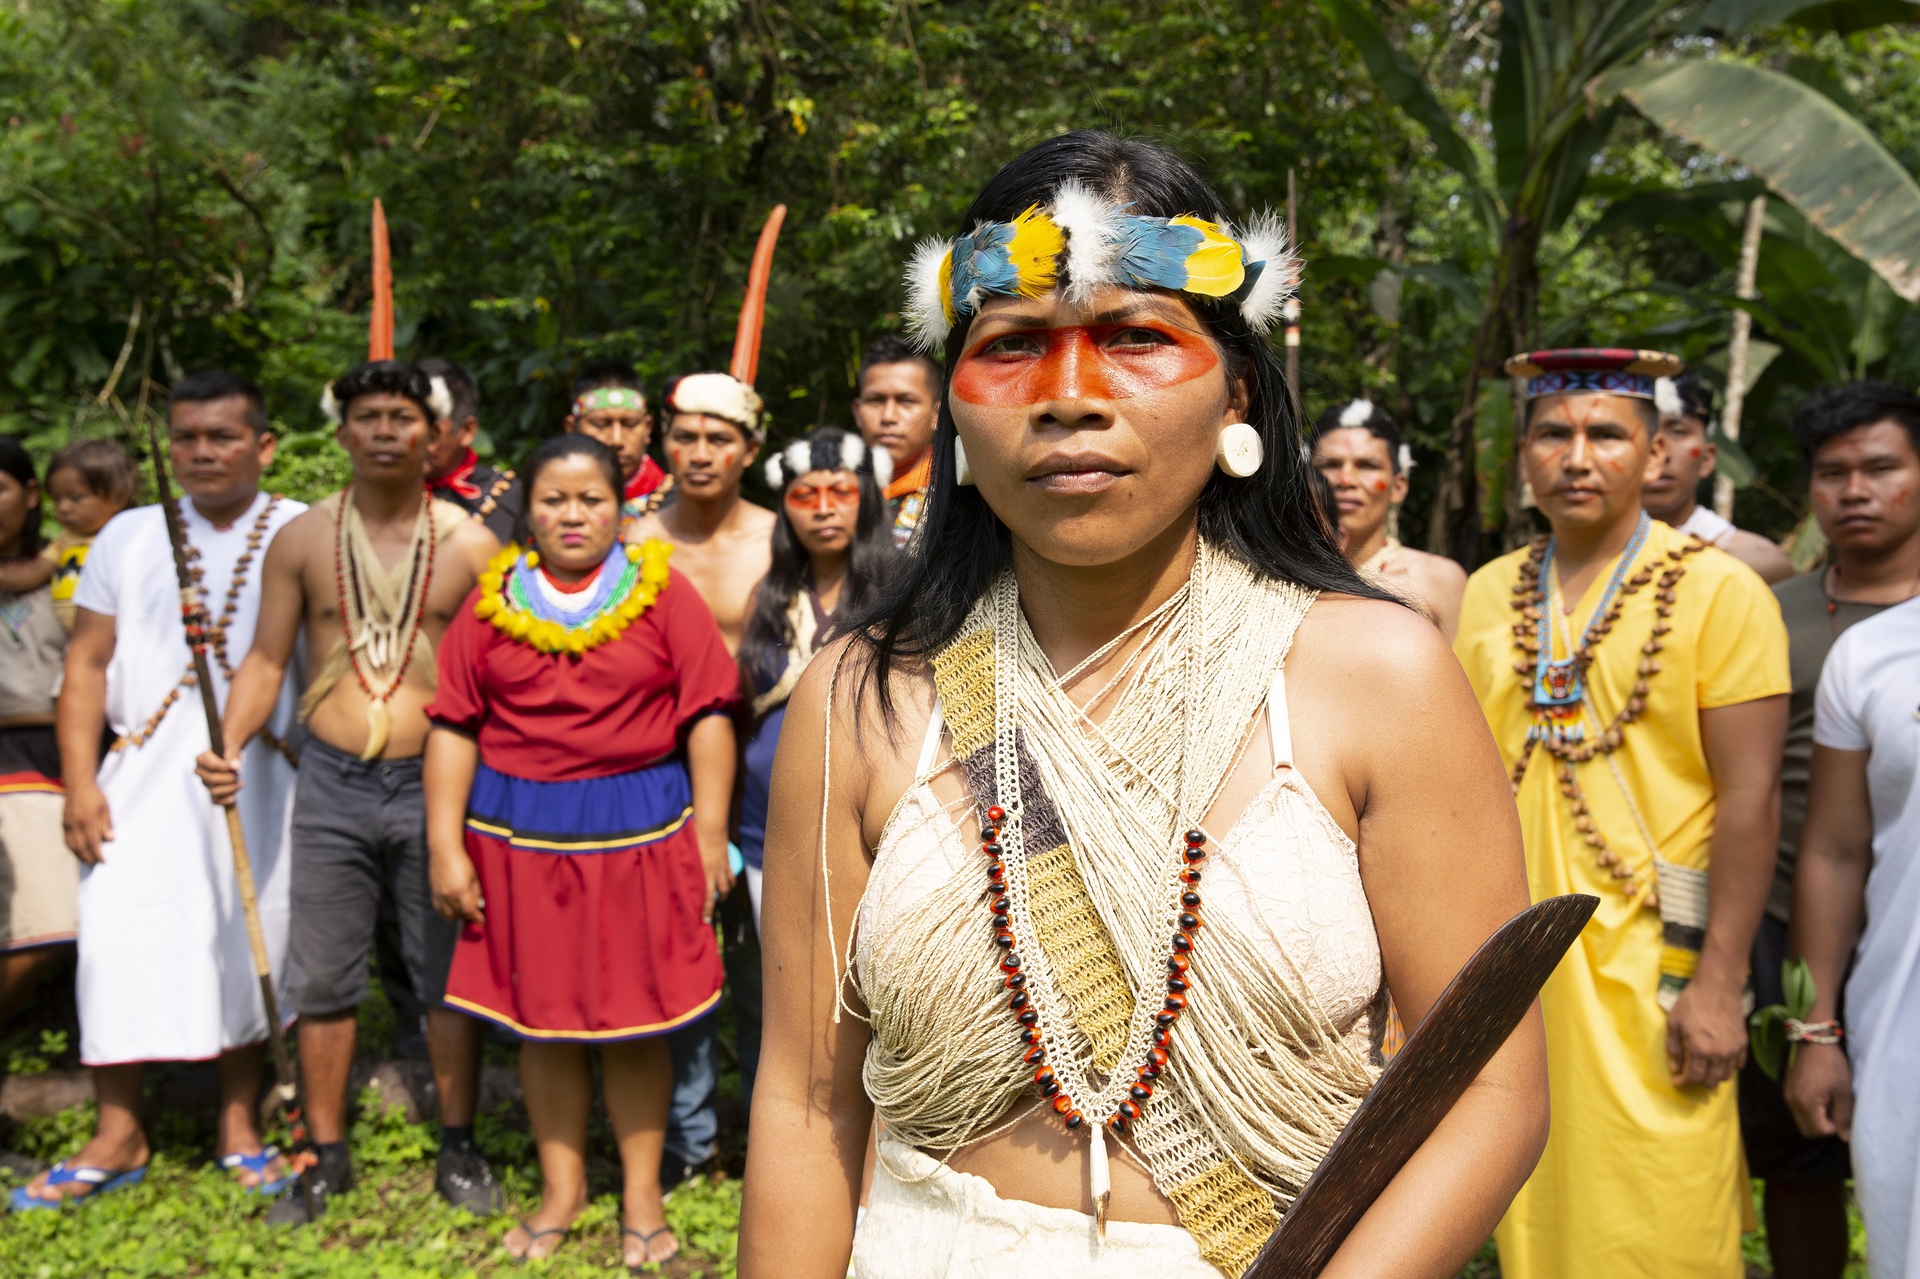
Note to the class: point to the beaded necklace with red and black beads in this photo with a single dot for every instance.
(1028, 1016)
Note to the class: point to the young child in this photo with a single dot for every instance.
(90, 482)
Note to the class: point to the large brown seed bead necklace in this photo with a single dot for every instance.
(1530, 600)
(217, 632)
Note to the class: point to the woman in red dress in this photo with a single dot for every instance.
(578, 778)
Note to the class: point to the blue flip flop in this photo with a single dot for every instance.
(257, 1165)
(102, 1181)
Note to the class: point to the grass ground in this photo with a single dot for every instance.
(189, 1220)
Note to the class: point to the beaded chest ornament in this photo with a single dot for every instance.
(1119, 1100)
(1558, 689)
(630, 580)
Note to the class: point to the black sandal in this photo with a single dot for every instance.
(535, 1236)
(646, 1246)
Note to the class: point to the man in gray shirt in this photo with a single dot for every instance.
(1861, 441)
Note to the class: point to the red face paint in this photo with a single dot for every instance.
(1379, 486)
(1095, 362)
(1695, 451)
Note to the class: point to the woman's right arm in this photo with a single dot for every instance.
(808, 1140)
(452, 759)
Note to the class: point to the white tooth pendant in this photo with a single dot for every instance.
(962, 473)
(1239, 452)
(1098, 1178)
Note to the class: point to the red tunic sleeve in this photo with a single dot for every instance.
(458, 701)
(706, 679)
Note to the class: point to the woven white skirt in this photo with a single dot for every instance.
(926, 1221)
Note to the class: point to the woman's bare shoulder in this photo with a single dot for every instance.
(1347, 637)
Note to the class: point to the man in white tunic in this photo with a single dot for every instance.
(165, 970)
(1860, 864)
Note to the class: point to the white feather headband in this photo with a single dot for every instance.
(819, 452)
(439, 402)
(1096, 242)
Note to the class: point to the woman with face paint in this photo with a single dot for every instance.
(1126, 669)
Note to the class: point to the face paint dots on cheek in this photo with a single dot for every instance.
(1378, 486)
(1696, 452)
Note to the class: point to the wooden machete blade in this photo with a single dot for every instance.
(1464, 1028)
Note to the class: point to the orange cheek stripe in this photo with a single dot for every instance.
(1075, 365)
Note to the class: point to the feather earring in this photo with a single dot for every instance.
(962, 473)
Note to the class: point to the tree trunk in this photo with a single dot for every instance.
(1508, 318)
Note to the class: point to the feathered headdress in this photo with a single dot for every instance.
(1094, 242)
(828, 449)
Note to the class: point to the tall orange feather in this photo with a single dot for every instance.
(753, 308)
(380, 324)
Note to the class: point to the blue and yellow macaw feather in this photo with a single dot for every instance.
(1184, 253)
(1010, 259)
(1218, 266)
(1034, 249)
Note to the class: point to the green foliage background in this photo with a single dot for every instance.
(189, 182)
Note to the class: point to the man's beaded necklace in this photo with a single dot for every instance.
(1558, 690)
(216, 632)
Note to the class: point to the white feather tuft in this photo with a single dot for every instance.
(1357, 413)
(1666, 398)
(776, 474)
(1406, 460)
(853, 451)
(1265, 240)
(799, 460)
(329, 406)
(926, 313)
(1092, 238)
(882, 467)
(440, 400)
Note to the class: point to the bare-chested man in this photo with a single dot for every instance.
(371, 576)
(1686, 407)
(723, 544)
(1357, 447)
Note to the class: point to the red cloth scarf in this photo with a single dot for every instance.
(645, 480)
(456, 481)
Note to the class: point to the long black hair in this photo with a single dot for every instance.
(14, 461)
(1270, 520)
(871, 558)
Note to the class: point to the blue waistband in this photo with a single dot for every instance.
(593, 815)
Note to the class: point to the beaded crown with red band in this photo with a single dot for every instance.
(1586, 370)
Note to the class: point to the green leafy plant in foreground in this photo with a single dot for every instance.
(1767, 1028)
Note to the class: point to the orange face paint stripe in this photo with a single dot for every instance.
(1076, 362)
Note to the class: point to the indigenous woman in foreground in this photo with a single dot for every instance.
(1097, 848)
(832, 553)
(578, 777)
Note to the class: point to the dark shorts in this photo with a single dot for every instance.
(360, 852)
(1776, 1150)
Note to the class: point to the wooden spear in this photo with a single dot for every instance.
(1743, 288)
(193, 613)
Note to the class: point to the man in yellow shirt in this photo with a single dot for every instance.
(1636, 681)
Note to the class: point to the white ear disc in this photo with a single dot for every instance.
(1239, 452)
